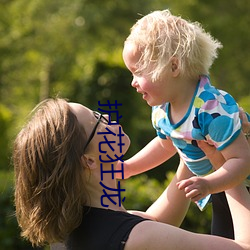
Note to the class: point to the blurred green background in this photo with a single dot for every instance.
(72, 48)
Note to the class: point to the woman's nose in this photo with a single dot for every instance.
(113, 120)
(106, 116)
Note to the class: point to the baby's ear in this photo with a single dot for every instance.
(89, 161)
(175, 66)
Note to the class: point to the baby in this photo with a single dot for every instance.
(170, 59)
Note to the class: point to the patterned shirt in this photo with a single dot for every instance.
(213, 115)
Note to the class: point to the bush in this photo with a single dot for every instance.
(9, 231)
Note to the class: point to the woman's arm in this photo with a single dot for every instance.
(160, 236)
(239, 203)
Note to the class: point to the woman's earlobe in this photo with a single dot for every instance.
(89, 161)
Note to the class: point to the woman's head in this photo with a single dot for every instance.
(51, 162)
(161, 36)
(49, 179)
(96, 123)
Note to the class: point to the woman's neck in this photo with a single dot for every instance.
(96, 189)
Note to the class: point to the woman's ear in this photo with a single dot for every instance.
(90, 161)
(175, 66)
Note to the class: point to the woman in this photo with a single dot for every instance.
(59, 197)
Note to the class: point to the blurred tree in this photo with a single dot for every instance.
(72, 48)
(51, 47)
(227, 21)
(5, 123)
(10, 238)
(244, 102)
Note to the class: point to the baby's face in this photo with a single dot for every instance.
(154, 93)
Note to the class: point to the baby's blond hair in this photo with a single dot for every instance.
(161, 36)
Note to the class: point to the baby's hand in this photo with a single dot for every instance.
(195, 187)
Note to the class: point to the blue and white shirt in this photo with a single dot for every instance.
(213, 115)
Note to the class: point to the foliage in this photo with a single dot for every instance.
(245, 103)
(9, 231)
(230, 71)
(73, 49)
(5, 123)
(141, 192)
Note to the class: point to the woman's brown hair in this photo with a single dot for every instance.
(47, 158)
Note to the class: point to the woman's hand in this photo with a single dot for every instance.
(245, 124)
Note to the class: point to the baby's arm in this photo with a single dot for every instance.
(152, 155)
(234, 171)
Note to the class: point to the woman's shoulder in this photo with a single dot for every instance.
(102, 227)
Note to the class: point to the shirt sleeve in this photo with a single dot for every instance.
(219, 120)
(159, 121)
